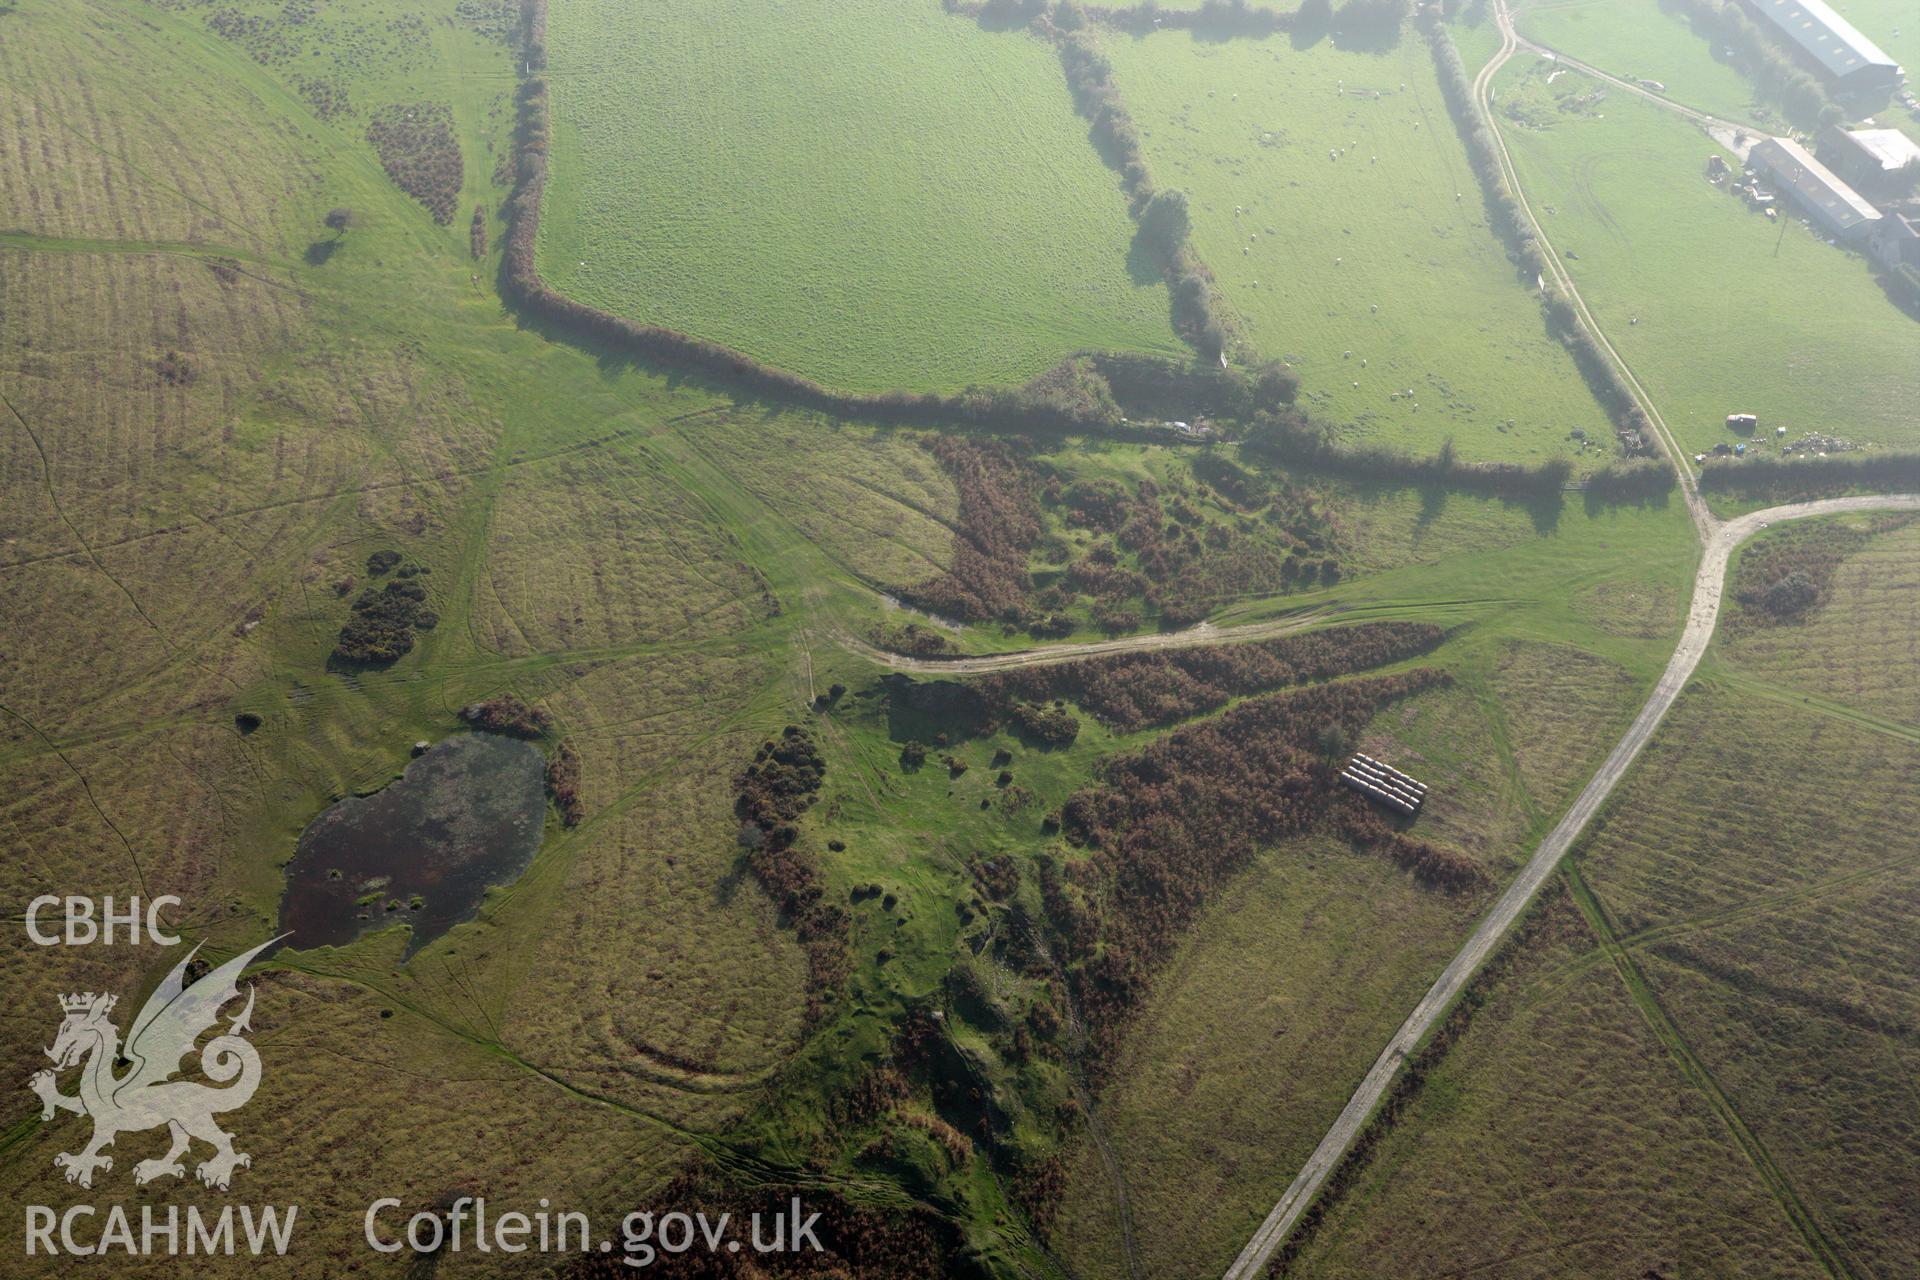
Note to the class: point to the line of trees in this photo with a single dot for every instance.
(1509, 222)
(1161, 214)
(1293, 440)
(1215, 18)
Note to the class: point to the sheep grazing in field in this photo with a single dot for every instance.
(1376, 308)
(1338, 261)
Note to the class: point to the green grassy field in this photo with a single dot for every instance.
(1735, 313)
(1369, 254)
(1644, 40)
(921, 209)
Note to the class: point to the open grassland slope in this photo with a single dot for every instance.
(1554, 1137)
(208, 441)
(1757, 869)
(1717, 309)
(1332, 198)
(1846, 625)
(876, 195)
(1286, 988)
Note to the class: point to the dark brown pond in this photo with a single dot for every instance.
(423, 851)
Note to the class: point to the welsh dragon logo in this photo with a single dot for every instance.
(146, 1096)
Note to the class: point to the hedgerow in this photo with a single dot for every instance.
(1292, 440)
(1800, 478)
(1510, 223)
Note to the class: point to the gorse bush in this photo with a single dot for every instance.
(1787, 574)
(563, 784)
(999, 523)
(418, 149)
(510, 714)
(1167, 826)
(381, 626)
(1129, 692)
(770, 795)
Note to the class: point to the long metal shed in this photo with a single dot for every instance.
(1835, 45)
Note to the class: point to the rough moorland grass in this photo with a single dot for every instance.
(1556, 1139)
(1733, 315)
(1320, 243)
(1757, 866)
(172, 560)
(1862, 646)
(876, 502)
(873, 195)
(1644, 40)
(148, 187)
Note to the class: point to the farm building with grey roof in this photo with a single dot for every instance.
(1835, 207)
(1836, 46)
(1876, 161)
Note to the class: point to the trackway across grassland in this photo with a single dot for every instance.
(1708, 588)
(1720, 539)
